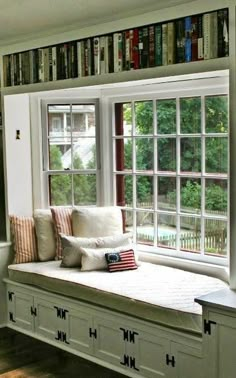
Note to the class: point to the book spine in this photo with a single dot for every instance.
(41, 65)
(110, 54)
(214, 35)
(80, 58)
(54, 63)
(96, 54)
(145, 53)
(140, 46)
(151, 46)
(223, 35)
(117, 50)
(50, 63)
(87, 57)
(127, 49)
(20, 69)
(164, 44)
(200, 44)
(135, 49)
(188, 39)
(102, 55)
(131, 41)
(180, 41)
(16, 63)
(206, 35)
(65, 61)
(194, 39)
(12, 78)
(92, 56)
(106, 54)
(158, 45)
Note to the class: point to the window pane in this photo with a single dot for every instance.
(216, 108)
(216, 155)
(190, 234)
(84, 154)
(215, 241)
(144, 154)
(144, 117)
(124, 159)
(190, 155)
(166, 154)
(124, 190)
(167, 193)
(123, 119)
(59, 120)
(128, 220)
(83, 120)
(145, 227)
(59, 155)
(144, 187)
(190, 195)
(166, 116)
(190, 115)
(166, 231)
(216, 197)
(60, 190)
(84, 189)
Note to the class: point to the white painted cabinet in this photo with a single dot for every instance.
(219, 334)
(129, 345)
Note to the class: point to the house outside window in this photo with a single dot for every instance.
(71, 153)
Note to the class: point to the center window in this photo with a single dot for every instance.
(171, 173)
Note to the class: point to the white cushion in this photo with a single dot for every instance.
(44, 228)
(94, 258)
(97, 221)
(71, 252)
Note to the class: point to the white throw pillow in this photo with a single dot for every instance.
(97, 221)
(71, 252)
(44, 228)
(94, 258)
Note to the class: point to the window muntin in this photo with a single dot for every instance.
(71, 163)
(173, 176)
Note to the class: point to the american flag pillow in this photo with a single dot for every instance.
(118, 261)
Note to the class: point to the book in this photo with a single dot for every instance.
(96, 55)
(188, 39)
(117, 51)
(200, 44)
(158, 45)
(80, 58)
(206, 35)
(151, 46)
(40, 65)
(214, 35)
(180, 41)
(194, 39)
(33, 58)
(145, 50)
(25, 68)
(127, 49)
(164, 44)
(223, 33)
(46, 63)
(110, 54)
(102, 55)
(87, 57)
(54, 63)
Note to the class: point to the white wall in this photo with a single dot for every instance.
(18, 155)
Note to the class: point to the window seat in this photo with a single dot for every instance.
(155, 293)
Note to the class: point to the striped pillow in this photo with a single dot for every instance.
(62, 224)
(118, 261)
(24, 239)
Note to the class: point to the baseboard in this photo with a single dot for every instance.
(3, 325)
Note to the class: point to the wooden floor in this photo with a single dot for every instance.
(22, 356)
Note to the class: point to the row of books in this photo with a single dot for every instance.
(192, 38)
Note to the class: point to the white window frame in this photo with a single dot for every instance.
(192, 89)
(45, 156)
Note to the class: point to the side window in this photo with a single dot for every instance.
(171, 173)
(71, 153)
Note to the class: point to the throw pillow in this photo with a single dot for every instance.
(62, 225)
(119, 261)
(94, 258)
(24, 239)
(46, 241)
(71, 252)
(97, 221)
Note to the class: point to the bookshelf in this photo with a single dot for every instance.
(190, 39)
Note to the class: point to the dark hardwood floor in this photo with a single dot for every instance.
(22, 356)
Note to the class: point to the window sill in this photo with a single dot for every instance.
(221, 272)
